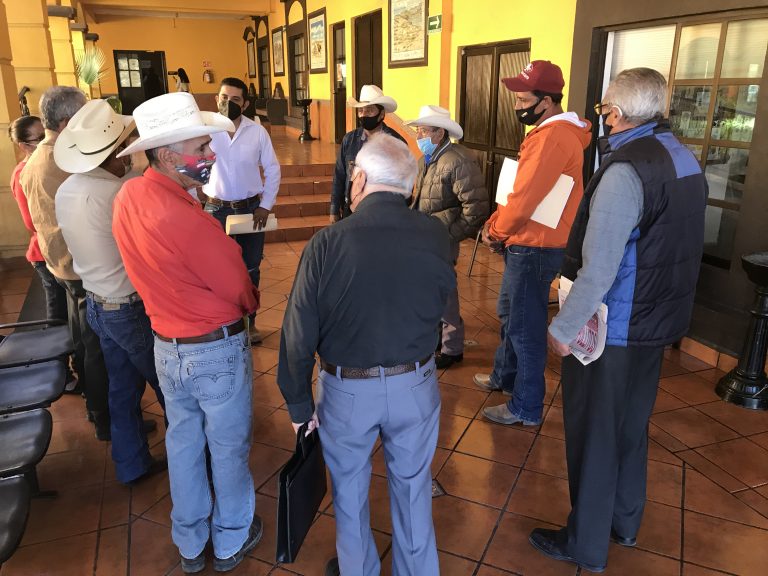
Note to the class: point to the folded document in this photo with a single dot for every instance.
(550, 209)
(590, 341)
(243, 224)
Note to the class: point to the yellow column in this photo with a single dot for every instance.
(13, 235)
(61, 42)
(32, 52)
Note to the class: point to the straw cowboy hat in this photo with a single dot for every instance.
(172, 118)
(90, 137)
(370, 94)
(437, 117)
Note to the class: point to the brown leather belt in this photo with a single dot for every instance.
(234, 204)
(375, 372)
(218, 334)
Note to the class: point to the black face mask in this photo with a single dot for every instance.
(370, 122)
(230, 109)
(527, 116)
(606, 128)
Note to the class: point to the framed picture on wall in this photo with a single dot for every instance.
(318, 51)
(277, 51)
(408, 33)
(250, 47)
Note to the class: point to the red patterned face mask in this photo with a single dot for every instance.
(197, 167)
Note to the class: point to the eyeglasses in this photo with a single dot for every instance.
(34, 141)
(602, 108)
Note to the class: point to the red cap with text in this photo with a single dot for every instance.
(539, 75)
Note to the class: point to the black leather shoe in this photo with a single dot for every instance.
(551, 543)
(193, 565)
(332, 568)
(443, 361)
(628, 542)
(254, 535)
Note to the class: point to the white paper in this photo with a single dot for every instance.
(590, 341)
(243, 224)
(550, 209)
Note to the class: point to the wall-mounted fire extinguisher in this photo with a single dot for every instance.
(207, 76)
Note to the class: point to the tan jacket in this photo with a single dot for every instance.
(40, 180)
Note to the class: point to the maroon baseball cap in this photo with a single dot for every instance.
(539, 75)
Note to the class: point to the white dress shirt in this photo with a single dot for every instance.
(84, 212)
(235, 175)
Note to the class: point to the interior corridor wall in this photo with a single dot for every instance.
(186, 42)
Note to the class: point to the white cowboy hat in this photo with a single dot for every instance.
(437, 117)
(171, 118)
(90, 136)
(370, 94)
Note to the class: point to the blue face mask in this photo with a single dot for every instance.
(426, 146)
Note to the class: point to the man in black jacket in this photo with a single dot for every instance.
(371, 109)
(368, 297)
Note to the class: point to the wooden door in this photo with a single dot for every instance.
(339, 72)
(368, 62)
(141, 75)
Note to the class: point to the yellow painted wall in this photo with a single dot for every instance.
(411, 87)
(186, 42)
(549, 26)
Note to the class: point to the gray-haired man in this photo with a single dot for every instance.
(40, 181)
(368, 298)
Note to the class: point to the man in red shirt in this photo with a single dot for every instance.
(196, 291)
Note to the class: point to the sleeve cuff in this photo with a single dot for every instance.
(301, 411)
(560, 335)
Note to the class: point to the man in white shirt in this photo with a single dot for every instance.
(87, 149)
(236, 186)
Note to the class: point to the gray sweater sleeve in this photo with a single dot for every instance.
(615, 210)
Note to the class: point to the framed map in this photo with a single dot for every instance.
(277, 51)
(407, 33)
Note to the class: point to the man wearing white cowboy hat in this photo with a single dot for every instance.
(40, 181)
(196, 290)
(371, 109)
(450, 186)
(88, 148)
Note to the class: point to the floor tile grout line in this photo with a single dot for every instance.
(509, 495)
(682, 519)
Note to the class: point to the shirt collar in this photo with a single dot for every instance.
(383, 197)
(621, 138)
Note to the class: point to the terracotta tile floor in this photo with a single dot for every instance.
(707, 509)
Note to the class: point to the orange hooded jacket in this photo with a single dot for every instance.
(556, 147)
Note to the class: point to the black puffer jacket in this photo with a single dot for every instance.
(452, 188)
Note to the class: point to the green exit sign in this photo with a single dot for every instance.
(435, 24)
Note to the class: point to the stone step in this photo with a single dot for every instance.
(295, 170)
(301, 205)
(305, 185)
(293, 229)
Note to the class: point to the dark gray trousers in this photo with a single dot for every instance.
(606, 407)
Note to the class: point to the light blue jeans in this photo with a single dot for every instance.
(404, 411)
(207, 390)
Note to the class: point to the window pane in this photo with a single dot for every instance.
(745, 45)
(726, 171)
(688, 111)
(122, 63)
(719, 232)
(696, 149)
(735, 113)
(698, 51)
(649, 47)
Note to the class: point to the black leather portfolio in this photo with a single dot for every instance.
(302, 487)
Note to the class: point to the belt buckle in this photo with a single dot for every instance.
(110, 306)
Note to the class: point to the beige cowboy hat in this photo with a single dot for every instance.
(171, 118)
(436, 117)
(90, 137)
(370, 94)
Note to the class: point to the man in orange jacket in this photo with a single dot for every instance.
(532, 251)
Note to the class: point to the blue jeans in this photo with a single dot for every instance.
(127, 343)
(252, 245)
(518, 366)
(207, 390)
